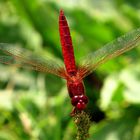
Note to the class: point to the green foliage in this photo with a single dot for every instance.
(35, 106)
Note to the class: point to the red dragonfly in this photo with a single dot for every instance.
(73, 74)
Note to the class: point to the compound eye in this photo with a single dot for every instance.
(84, 99)
(81, 106)
(75, 100)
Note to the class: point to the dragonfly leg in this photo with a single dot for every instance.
(73, 112)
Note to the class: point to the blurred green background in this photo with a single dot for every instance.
(36, 106)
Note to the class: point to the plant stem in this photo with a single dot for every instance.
(82, 121)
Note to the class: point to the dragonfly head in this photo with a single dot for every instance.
(79, 101)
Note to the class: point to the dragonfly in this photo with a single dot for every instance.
(72, 73)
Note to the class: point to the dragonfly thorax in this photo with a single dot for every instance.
(77, 92)
(75, 86)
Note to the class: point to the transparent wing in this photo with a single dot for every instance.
(109, 51)
(20, 57)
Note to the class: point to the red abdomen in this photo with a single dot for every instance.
(66, 43)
